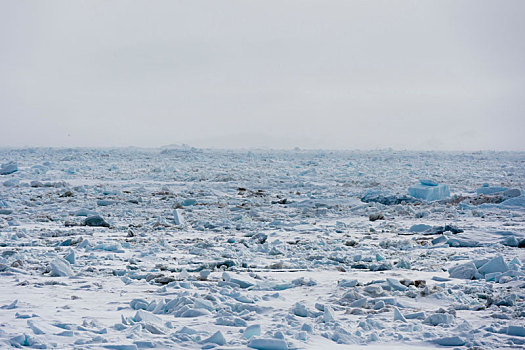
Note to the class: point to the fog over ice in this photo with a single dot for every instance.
(440, 75)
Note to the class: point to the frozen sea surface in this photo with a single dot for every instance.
(189, 248)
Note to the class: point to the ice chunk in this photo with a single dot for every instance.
(138, 304)
(429, 193)
(507, 300)
(177, 217)
(8, 168)
(396, 285)
(203, 274)
(403, 264)
(216, 338)
(515, 261)
(359, 302)
(493, 276)
(449, 341)
(427, 182)
(35, 184)
(60, 267)
(512, 193)
(490, 190)
(398, 316)
(241, 283)
(120, 346)
(188, 202)
(420, 228)
(439, 240)
(144, 316)
(187, 330)
(466, 271)
(514, 202)
(10, 306)
(22, 340)
(85, 212)
(510, 241)
(11, 182)
(379, 305)
(70, 257)
(195, 313)
(109, 247)
(34, 328)
(386, 198)
(307, 328)
(497, 264)
(374, 290)
(145, 344)
(328, 315)
(416, 315)
(300, 310)
(95, 221)
(251, 331)
(268, 344)
(439, 318)
(347, 283)
(85, 244)
(456, 242)
(518, 331)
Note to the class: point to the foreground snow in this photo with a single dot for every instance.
(184, 248)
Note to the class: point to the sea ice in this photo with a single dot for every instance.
(270, 241)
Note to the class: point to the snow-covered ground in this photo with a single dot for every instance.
(261, 249)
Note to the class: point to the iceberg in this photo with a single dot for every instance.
(429, 192)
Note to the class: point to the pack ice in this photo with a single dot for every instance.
(189, 248)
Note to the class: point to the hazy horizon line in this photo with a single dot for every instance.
(185, 146)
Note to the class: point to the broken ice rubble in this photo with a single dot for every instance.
(201, 249)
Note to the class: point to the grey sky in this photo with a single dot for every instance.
(315, 74)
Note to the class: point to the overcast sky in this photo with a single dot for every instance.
(445, 75)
